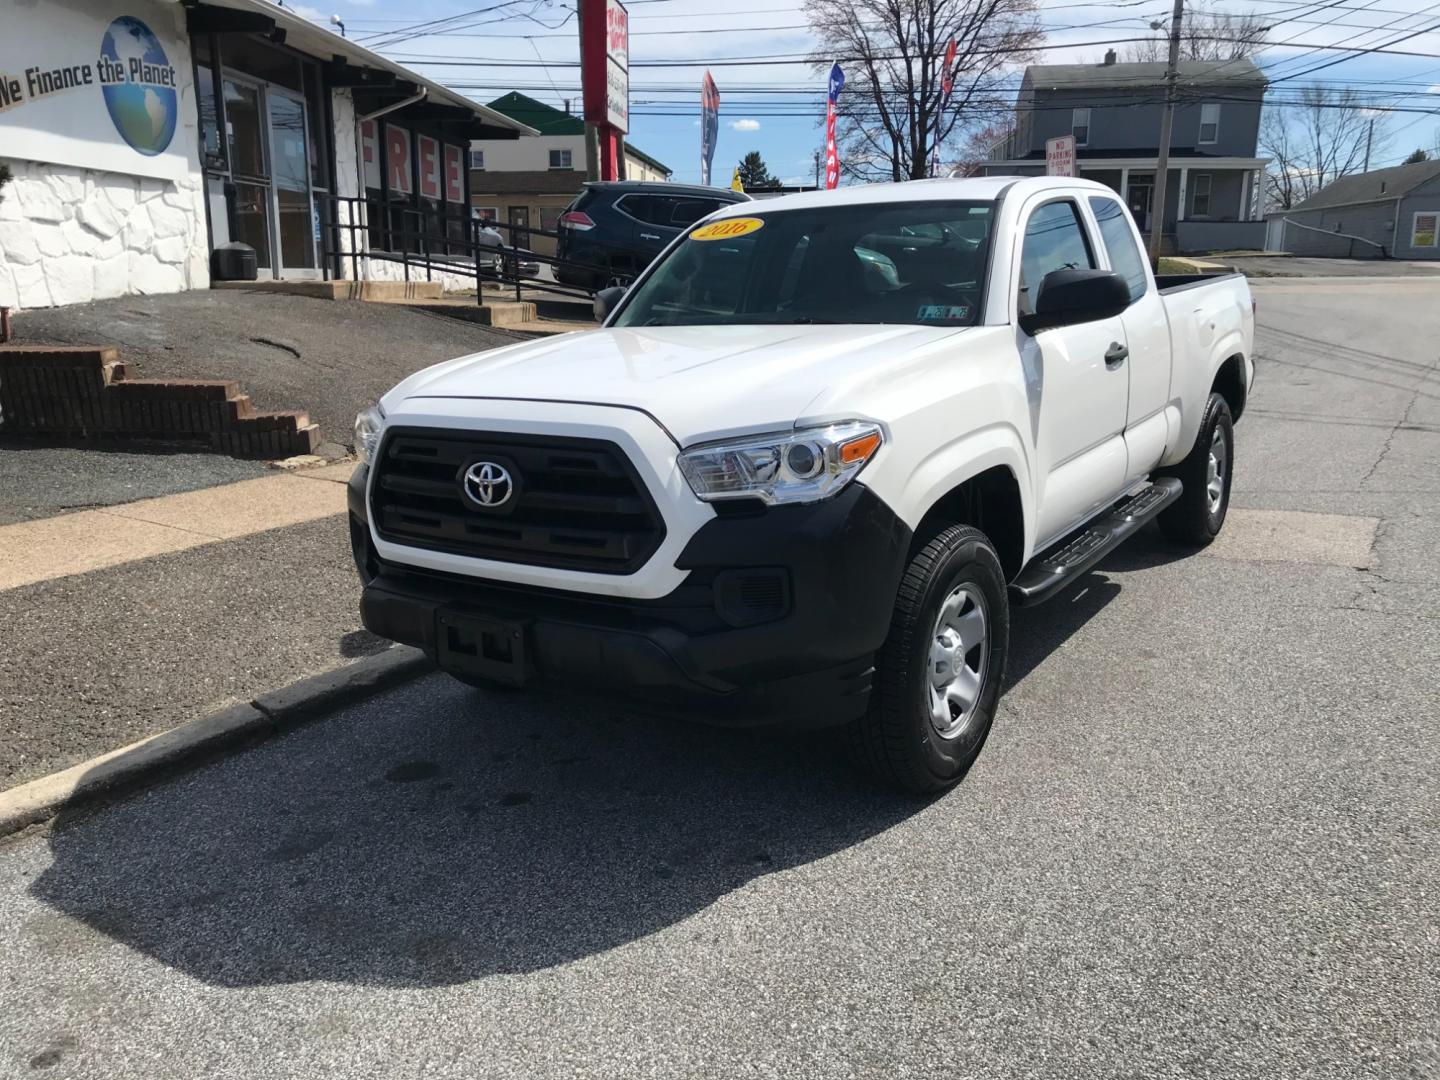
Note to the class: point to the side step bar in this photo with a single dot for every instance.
(1068, 560)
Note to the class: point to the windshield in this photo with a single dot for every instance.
(912, 262)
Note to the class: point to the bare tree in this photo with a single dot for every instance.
(892, 52)
(1317, 141)
(974, 149)
(1206, 34)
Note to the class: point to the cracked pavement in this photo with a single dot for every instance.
(1203, 839)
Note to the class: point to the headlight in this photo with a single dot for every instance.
(797, 467)
(368, 426)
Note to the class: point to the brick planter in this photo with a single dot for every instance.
(81, 394)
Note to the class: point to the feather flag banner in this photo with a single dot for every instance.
(709, 125)
(832, 154)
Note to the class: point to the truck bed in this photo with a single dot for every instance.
(1169, 283)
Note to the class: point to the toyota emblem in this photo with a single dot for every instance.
(488, 484)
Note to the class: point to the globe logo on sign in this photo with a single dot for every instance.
(144, 106)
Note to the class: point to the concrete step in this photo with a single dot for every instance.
(343, 290)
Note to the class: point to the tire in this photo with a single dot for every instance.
(899, 740)
(1196, 517)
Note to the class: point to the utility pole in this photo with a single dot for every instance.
(1369, 137)
(817, 169)
(1167, 125)
(592, 130)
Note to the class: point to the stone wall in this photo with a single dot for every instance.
(68, 236)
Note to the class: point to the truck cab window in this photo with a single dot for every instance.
(917, 263)
(1119, 241)
(1054, 240)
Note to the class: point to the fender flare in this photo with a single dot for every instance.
(962, 459)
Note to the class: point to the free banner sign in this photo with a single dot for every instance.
(98, 88)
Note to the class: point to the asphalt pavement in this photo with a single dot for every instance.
(41, 481)
(330, 358)
(1203, 839)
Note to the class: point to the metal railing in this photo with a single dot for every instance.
(427, 243)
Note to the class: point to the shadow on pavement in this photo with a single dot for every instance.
(438, 834)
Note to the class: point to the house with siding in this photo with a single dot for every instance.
(1386, 213)
(1113, 110)
(529, 182)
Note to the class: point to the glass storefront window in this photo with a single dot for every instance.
(211, 153)
(247, 139)
(319, 152)
(252, 220)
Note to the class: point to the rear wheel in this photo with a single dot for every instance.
(938, 675)
(1196, 517)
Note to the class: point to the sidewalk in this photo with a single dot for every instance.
(125, 621)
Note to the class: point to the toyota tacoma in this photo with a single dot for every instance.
(809, 462)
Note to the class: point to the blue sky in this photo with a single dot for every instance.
(542, 32)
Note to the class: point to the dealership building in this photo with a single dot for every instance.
(142, 135)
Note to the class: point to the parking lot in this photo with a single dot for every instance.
(1203, 838)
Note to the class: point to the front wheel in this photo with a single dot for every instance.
(938, 675)
(1195, 518)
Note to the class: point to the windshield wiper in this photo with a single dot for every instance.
(811, 319)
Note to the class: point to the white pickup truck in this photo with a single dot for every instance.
(810, 460)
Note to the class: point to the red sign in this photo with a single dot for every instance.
(454, 174)
(397, 159)
(429, 167)
(605, 63)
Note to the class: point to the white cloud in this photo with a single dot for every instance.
(745, 125)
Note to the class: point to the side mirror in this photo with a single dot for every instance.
(1067, 297)
(606, 301)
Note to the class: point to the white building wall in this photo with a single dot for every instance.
(345, 139)
(530, 153)
(635, 169)
(70, 235)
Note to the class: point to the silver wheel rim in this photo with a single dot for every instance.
(1215, 471)
(959, 656)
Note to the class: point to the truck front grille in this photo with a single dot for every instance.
(576, 504)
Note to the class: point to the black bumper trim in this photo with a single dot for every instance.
(679, 654)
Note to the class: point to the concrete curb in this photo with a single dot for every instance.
(268, 714)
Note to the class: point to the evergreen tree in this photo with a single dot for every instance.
(754, 172)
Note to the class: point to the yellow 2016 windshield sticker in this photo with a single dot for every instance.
(728, 229)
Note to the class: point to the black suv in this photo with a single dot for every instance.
(615, 228)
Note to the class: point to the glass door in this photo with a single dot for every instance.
(249, 168)
(296, 224)
(1139, 195)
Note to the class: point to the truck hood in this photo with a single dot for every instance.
(698, 382)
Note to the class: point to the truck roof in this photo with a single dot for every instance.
(975, 189)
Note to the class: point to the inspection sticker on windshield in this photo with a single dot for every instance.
(942, 312)
(728, 229)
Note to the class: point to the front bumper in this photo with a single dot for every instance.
(776, 620)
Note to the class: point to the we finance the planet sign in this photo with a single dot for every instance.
(113, 106)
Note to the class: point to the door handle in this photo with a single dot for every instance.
(1116, 355)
